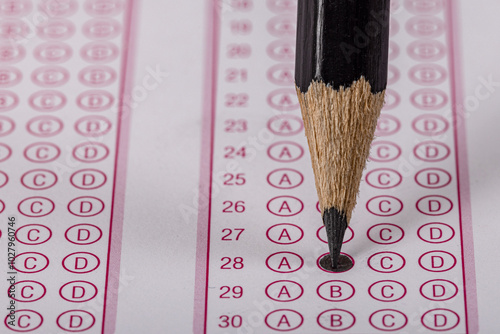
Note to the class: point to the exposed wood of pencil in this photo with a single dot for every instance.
(339, 126)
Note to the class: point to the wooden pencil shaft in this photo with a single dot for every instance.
(339, 127)
(338, 41)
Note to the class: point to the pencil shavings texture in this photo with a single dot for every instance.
(340, 126)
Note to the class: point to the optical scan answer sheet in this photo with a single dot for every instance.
(264, 232)
(71, 191)
(62, 74)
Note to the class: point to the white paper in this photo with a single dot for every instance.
(265, 237)
(163, 171)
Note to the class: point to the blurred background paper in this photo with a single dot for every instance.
(157, 263)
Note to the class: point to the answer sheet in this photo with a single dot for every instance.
(62, 74)
(263, 227)
(109, 111)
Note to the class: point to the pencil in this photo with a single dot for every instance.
(340, 77)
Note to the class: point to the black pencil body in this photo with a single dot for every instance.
(340, 76)
(338, 41)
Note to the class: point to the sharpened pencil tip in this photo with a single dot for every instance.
(335, 224)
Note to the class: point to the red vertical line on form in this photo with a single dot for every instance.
(461, 162)
(206, 169)
(112, 283)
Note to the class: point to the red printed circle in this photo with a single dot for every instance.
(53, 52)
(425, 26)
(41, 152)
(97, 76)
(294, 320)
(70, 234)
(99, 52)
(433, 179)
(428, 74)
(47, 100)
(13, 30)
(294, 290)
(380, 229)
(96, 262)
(41, 291)
(101, 29)
(285, 178)
(4, 178)
(384, 206)
(291, 262)
(35, 317)
(383, 178)
(86, 210)
(90, 152)
(282, 6)
(95, 100)
(444, 325)
(44, 206)
(429, 99)
(339, 296)
(282, 74)
(11, 53)
(103, 8)
(281, 50)
(39, 240)
(441, 293)
(15, 8)
(31, 179)
(428, 7)
(8, 100)
(93, 126)
(392, 99)
(445, 233)
(437, 205)
(9, 76)
(56, 30)
(387, 125)
(285, 206)
(426, 50)
(282, 26)
(44, 126)
(7, 126)
(285, 151)
(430, 125)
(399, 320)
(59, 8)
(397, 262)
(437, 261)
(87, 320)
(88, 284)
(5, 152)
(285, 125)
(290, 234)
(283, 99)
(379, 293)
(326, 320)
(79, 179)
(432, 151)
(34, 257)
(50, 76)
